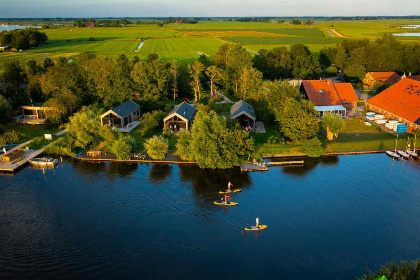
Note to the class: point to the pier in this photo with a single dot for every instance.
(14, 165)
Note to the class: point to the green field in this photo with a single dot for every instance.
(185, 42)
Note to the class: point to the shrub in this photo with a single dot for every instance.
(313, 147)
(10, 137)
(61, 147)
(123, 147)
(183, 148)
(156, 147)
(403, 270)
(333, 125)
(92, 39)
(4, 109)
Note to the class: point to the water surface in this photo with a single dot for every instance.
(332, 219)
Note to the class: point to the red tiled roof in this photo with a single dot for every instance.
(401, 99)
(321, 93)
(346, 92)
(385, 77)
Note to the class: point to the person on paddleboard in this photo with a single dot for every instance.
(226, 199)
(257, 222)
(229, 186)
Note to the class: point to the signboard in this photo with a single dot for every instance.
(48, 136)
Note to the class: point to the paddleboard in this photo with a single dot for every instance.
(253, 228)
(231, 191)
(226, 204)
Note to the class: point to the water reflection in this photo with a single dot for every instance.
(207, 180)
(122, 169)
(160, 172)
(310, 164)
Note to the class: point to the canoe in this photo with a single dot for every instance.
(43, 162)
(392, 154)
(231, 191)
(226, 204)
(254, 228)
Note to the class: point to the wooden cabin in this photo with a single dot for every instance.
(243, 113)
(122, 115)
(180, 118)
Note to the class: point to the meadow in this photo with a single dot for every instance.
(187, 41)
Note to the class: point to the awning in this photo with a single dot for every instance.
(329, 108)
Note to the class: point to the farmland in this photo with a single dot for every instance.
(185, 42)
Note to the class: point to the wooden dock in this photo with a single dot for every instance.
(284, 163)
(108, 157)
(12, 167)
(250, 167)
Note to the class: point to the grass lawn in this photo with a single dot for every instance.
(357, 137)
(140, 140)
(30, 131)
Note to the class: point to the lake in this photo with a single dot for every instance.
(12, 27)
(331, 219)
(407, 34)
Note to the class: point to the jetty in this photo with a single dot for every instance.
(98, 156)
(284, 163)
(251, 167)
(18, 157)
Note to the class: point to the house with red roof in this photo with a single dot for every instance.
(400, 102)
(89, 24)
(380, 77)
(336, 98)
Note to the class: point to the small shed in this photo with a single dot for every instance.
(4, 48)
(34, 114)
(243, 113)
(180, 117)
(122, 115)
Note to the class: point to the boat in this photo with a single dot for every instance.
(44, 162)
(231, 191)
(254, 228)
(393, 155)
(226, 204)
(403, 154)
(412, 154)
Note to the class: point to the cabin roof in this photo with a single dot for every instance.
(184, 110)
(126, 108)
(401, 99)
(240, 108)
(346, 92)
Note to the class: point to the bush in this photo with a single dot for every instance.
(38, 142)
(313, 147)
(183, 148)
(123, 147)
(92, 39)
(403, 270)
(156, 147)
(10, 137)
(331, 71)
(60, 147)
(4, 109)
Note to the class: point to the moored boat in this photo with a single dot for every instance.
(44, 162)
(403, 154)
(393, 155)
(412, 154)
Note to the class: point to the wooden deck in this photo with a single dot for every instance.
(108, 157)
(250, 167)
(12, 167)
(284, 163)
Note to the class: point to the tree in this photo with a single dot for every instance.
(333, 125)
(313, 147)
(4, 109)
(83, 127)
(340, 57)
(123, 147)
(174, 72)
(195, 69)
(150, 121)
(156, 147)
(402, 270)
(14, 76)
(183, 143)
(279, 62)
(48, 63)
(124, 22)
(151, 79)
(355, 71)
(297, 119)
(250, 81)
(296, 22)
(215, 75)
(213, 145)
(79, 22)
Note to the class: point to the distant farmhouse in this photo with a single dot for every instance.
(400, 102)
(336, 98)
(384, 77)
(180, 118)
(4, 48)
(124, 117)
(243, 113)
(89, 24)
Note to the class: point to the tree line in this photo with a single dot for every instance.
(23, 38)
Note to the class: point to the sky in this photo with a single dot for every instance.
(205, 8)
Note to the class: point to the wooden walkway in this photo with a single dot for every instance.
(12, 167)
(250, 167)
(284, 163)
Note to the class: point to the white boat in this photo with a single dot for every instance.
(393, 155)
(413, 154)
(403, 154)
(44, 162)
